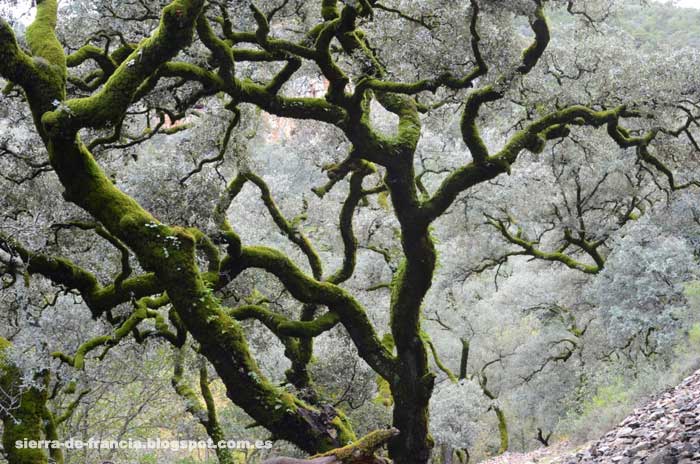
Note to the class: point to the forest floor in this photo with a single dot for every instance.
(549, 455)
(666, 430)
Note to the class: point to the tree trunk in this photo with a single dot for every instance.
(414, 444)
(464, 360)
(502, 430)
(446, 453)
(413, 383)
(25, 420)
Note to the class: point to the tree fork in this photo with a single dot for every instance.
(166, 251)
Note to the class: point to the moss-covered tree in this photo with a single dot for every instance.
(183, 267)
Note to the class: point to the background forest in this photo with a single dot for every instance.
(566, 288)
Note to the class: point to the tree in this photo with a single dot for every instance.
(201, 51)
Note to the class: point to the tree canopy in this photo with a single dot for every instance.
(457, 200)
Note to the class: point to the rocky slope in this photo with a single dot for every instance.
(664, 431)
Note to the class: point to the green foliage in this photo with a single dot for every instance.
(195, 461)
(651, 25)
(613, 398)
(148, 459)
(172, 254)
(608, 396)
(657, 23)
(694, 337)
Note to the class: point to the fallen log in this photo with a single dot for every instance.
(362, 451)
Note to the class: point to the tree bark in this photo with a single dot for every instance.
(447, 453)
(25, 420)
(413, 384)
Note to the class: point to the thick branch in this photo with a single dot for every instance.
(533, 138)
(15, 65)
(109, 104)
(64, 272)
(283, 326)
(308, 290)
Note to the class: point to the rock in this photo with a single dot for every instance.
(639, 447)
(665, 431)
(662, 457)
(627, 432)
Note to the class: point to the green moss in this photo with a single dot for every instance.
(140, 313)
(4, 346)
(436, 358)
(308, 290)
(288, 228)
(502, 430)
(283, 326)
(362, 170)
(537, 144)
(412, 384)
(169, 252)
(51, 432)
(384, 396)
(123, 52)
(329, 10)
(41, 35)
(202, 408)
(89, 51)
(223, 343)
(222, 54)
(26, 421)
(292, 107)
(109, 104)
(15, 65)
(532, 54)
(364, 448)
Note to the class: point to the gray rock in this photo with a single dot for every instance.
(665, 431)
